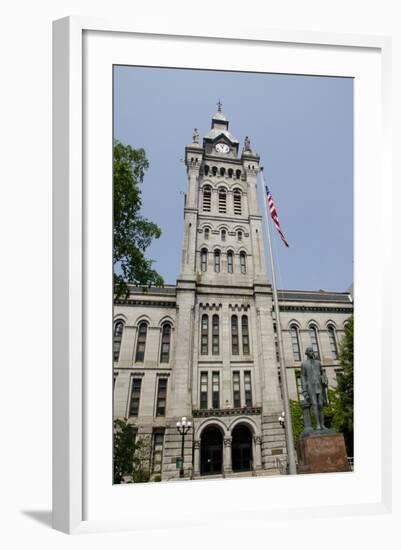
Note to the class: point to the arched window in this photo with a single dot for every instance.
(207, 233)
(314, 341)
(230, 264)
(141, 343)
(238, 174)
(230, 172)
(237, 202)
(242, 261)
(215, 335)
(214, 170)
(118, 334)
(333, 341)
(207, 198)
(222, 201)
(234, 335)
(222, 171)
(166, 341)
(295, 343)
(223, 234)
(203, 259)
(206, 169)
(217, 261)
(204, 334)
(245, 335)
(239, 235)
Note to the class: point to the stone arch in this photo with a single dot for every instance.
(294, 322)
(120, 317)
(249, 422)
(207, 183)
(166, 319)
(143, 318)
(330, 323)
(208, 423)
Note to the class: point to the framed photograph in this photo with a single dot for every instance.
(201, 351)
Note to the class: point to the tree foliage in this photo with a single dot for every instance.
(297, 420)
(131, 232)
(342, 397)
(130, 458)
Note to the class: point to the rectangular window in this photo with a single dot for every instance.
(135, 396)
(245, 335)
(248, 388)
(276, 343)
(157, 451)
(234, 335)
(215, 335)
(165, 347)
(236, 390)
(204, 334)
(299, 386)
(216, 390)
(222, 202)
(203, 391)
(161, 397)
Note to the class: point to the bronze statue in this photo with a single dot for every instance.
(314, 384)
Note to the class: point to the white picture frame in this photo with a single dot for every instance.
(77, 43)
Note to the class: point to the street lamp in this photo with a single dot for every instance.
(281, 419)
(183, 428)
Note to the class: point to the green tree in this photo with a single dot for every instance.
(131, 232)
(342, 397)
(297, 420)
(130, 458)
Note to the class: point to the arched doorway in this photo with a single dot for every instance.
(211, 451)
(242, 456)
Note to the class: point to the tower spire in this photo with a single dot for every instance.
(219, 106)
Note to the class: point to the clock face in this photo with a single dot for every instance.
(222, 148)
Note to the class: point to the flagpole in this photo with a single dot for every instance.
(292, 469)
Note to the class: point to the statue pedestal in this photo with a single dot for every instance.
(322, 452)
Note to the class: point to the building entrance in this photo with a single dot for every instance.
(211, 451)
(242, 458)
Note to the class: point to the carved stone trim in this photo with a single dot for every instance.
(198, 413)
(329, 309)
(197, 444)
(257, 439)
(227, 442)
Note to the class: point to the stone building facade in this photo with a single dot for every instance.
(205, 348)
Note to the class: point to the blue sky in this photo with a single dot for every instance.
(301, 126)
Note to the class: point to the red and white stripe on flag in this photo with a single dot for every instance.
(274, 215)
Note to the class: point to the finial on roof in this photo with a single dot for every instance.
(219, 106)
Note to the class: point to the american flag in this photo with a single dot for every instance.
(274, 215)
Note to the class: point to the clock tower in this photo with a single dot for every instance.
(225, 369)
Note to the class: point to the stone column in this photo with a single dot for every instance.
(257, 460)
(227, 464)
(197, 457)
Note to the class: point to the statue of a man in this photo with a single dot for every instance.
(314, 384)
(195, 137)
